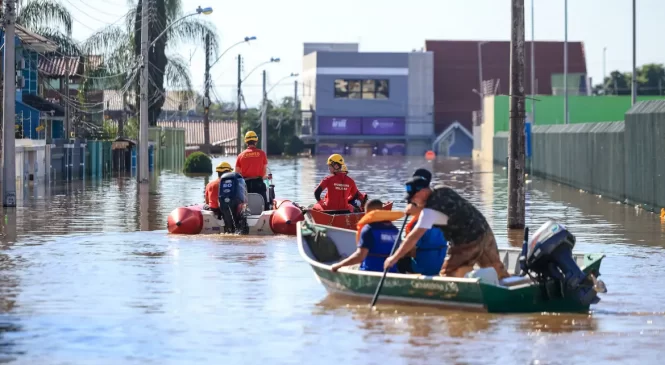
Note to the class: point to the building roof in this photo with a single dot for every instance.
(456, 73)
(69, 65)
(34, 41)
(221, 131)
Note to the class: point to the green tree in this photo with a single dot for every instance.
(650, 81)
(50, 19)
(651, 78)
(282, 138)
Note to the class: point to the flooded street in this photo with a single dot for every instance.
(88, 275)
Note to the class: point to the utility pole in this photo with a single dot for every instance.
(206, 99)
(295, 107)
(533, 65)
(481, 89)
(264, 117)
(143, 172)
(604, 71)
(516, 143)
(239, 109)
(9, 108)
(634, 81)
(565, 64)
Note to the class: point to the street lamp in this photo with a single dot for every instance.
(272, 60)
(199, 10)
(246, 40)
(280, 80)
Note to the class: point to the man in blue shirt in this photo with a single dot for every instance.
(430, 252)
(376, 239)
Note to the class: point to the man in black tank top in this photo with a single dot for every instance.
(469, 236)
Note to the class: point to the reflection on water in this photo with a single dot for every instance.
(89, 275)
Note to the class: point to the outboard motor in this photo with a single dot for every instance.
(549, 255)
(271, 192)
(233, 203)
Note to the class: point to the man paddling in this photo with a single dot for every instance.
(470, 237)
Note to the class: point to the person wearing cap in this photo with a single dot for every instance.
(430, 251)
(341, 189)
(469, 236)
(212, 189)
(252, 164)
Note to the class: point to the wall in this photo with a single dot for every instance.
(619, 160)
(582, 109)
(420, 99)
(343, 65)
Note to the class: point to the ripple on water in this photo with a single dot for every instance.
(89, 275)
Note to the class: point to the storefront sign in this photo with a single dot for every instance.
(339, 125)
(383, 126)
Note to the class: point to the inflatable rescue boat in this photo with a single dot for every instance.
(241, 212)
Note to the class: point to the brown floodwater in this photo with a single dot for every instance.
(88, 275)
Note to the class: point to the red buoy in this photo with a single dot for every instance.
(430, 155)
(185, 220)
(284, 217)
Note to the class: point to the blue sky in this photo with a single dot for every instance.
(389, 25)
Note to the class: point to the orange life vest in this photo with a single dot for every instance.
(377, 216)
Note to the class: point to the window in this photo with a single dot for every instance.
(362, 89)
(369, 89)
(355, 89)
(341, 89)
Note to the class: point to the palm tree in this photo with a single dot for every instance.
(120, 47)
(50, 19)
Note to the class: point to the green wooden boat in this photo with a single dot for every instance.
(321, 246)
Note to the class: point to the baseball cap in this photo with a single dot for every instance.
(424, 173)
(414, 185)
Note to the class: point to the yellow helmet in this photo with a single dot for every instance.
(336, 158)
(251, 136)
(224, 167)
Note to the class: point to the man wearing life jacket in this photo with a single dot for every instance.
(428, 255)
(360, 198)
(341, 189)
(252, 164)
(212, 189)
(375, 239)
(469, 236)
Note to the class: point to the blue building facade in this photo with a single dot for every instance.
(32, 111)
(367, 103)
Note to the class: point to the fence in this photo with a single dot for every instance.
(620, 160)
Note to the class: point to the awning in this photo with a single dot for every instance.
(44, 105)
(34, 41)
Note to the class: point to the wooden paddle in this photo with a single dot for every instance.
(385, 271)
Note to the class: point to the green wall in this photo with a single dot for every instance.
(582, 109)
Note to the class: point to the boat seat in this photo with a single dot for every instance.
(515, 280)
(323, 248)
(255, 204)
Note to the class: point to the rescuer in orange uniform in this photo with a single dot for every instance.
(252, 164)
(212, 189)
(341, 189)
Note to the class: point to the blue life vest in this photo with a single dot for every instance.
(431, 251)
(384, 239)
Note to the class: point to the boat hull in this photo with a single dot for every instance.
(345, 220)
(462, 293)
(194, 219)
